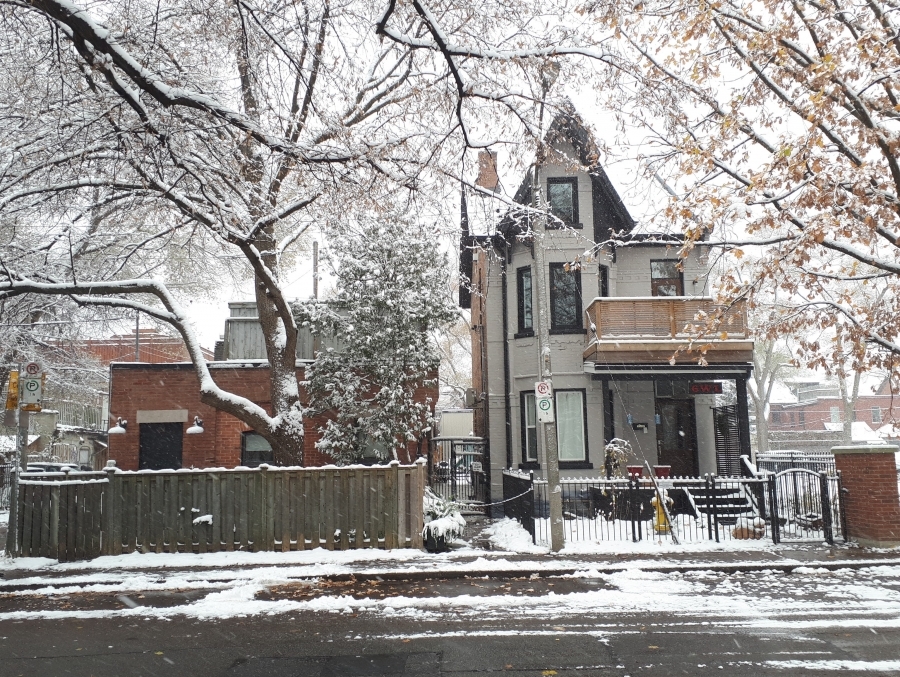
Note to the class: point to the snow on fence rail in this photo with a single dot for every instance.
(84, 515)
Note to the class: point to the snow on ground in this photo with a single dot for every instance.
(865, 597)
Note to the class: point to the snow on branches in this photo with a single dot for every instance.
(778, 125)
(392, 292)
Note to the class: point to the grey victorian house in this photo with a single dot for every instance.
(623, 310)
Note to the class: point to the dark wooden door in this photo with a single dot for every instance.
(676, 437)
(160, 446)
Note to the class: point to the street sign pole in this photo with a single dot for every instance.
(551, 449)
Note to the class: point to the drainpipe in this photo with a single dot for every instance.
(507, 254)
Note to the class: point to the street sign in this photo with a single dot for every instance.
(32, 387)
(543, 400)
(12, 391)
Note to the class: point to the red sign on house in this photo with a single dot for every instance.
(710, 388)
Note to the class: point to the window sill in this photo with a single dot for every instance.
(571, 330)
(576, 465)
(565, 226)
(528, 333)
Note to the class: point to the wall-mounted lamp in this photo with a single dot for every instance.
(197, 428)
(118, 428)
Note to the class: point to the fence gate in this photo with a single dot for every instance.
(807, 505)
(458, 470)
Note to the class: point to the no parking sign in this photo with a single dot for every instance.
(543, 399)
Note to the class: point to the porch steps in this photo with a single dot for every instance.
(729, 503)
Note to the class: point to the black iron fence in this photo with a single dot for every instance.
(457, 469)
(778, 461)
(795, 504)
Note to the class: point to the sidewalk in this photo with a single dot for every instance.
(472, 558)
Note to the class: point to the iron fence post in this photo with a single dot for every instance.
(826, 507)
(709, 533)
(531, 510)
(715, 502)
(633, 501)
(773, 509)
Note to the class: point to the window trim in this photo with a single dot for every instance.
(526, 462)
(524, 331)
(573, 328)
(584, 463)
(552, 222)
(654, 282)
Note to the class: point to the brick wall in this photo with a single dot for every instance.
(814, 415)
(871, 503)
(135, 387)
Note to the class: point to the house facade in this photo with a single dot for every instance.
(160, 403)
(622, 313)
(820, 407)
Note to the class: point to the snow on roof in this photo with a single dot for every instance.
(781, 394)
(8, 442)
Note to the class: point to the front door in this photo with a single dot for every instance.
(160, 446)
(676, 437)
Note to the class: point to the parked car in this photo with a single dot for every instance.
(57, 467)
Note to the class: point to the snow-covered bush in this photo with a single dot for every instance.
(443, 521)
(392, 291)
(618, 453)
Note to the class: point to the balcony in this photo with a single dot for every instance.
(656, 329)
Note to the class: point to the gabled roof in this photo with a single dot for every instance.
(610, 213)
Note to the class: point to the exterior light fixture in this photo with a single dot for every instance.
(197, 428)
(119, 427)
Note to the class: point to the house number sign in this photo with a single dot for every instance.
(543, 399)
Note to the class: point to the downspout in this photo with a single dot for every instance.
(506, 378)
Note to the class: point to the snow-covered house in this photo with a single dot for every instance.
(621, 305)
(161, 401)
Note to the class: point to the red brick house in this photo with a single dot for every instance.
(823, 409)
(160, 401)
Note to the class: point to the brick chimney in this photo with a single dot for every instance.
(487, 171)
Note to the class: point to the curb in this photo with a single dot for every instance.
(504, 574)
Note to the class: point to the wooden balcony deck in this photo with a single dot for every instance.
(654, 329)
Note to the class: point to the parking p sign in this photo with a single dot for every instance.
(543, 400)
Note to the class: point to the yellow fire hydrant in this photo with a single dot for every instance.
(660, 521)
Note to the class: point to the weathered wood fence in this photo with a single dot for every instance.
(84, 515)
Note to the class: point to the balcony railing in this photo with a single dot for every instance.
(666, 317)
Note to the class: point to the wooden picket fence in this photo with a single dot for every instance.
(84, 515)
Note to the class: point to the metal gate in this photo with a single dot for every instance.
(458, 470)
(806, 506)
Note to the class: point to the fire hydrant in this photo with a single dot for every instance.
(660, 521)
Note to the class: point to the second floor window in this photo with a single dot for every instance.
(665, 279)
(565, 298)
(526, 299)
(562, 196)
(876, 414)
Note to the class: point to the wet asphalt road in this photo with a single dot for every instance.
(463, 641)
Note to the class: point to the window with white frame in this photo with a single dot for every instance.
(835, 414)
(529, 429)
(570, 425)
(876, 414)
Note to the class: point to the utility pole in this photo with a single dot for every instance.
(539, 231)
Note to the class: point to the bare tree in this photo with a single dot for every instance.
(146, 140)
(776, 124)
